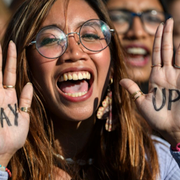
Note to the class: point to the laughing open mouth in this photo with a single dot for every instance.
(137, 56)
(136, 51)
(75, 84)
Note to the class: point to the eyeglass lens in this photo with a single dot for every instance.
(94, 35)
(123, 20)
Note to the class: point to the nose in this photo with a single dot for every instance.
(136, 30)
(74, 51)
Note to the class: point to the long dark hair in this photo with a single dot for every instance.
(127, 153)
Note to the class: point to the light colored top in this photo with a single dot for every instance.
(169, 161)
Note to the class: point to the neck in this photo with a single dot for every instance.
(73, 136)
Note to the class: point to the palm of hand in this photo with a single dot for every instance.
(161, 105)
(14, 124)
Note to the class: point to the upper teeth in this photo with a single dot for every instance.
(136, 51)
(75, 76)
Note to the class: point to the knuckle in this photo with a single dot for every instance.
(158, 36)
(156, 49)
(167, 46)
(25, 100)
(11, 70)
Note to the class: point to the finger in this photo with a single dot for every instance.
(26, 98)
(156, 56)
(10, 68)
(0, 66)
(167, 43)
(177, 58)
(133, 89)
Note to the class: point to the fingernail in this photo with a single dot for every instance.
(162, 23)
(29, 83)
(11, 41)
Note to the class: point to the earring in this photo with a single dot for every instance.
(105, 111)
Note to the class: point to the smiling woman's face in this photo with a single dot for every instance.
(137, 41)
(72, 83)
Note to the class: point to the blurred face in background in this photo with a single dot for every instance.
(136, 22)
(174, 10)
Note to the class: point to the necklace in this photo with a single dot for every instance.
(80, 162)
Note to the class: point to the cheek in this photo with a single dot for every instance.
(102, 61)
(176, 41)
(102, 65)
(151, 42)
(121, 38)
(41, 67)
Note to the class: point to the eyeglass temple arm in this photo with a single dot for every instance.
(32, 42)
(111, 30)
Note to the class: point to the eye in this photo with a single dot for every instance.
(47, 39)
(119, 16)
(153, 19)
(119, 19)
(48, 42)
(90, 37)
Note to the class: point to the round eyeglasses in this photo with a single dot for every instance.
(123, 19)
(51, 42)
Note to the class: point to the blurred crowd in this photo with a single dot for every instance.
(7, 8)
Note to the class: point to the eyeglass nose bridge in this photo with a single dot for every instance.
(133, 15)
(73, 33)
(136, 14)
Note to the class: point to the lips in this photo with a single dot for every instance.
(75, 84)
(138, 56)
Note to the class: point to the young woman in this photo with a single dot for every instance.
(136, 22)
(82, 121)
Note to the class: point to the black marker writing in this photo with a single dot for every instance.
(170, 97)
(163, 99)
(4, 117)
(14, 111)
(170, 100)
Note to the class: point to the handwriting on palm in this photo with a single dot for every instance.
(161, 105)
(14, 124)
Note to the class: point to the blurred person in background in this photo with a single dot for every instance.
(136, 22)
(5, 15)
(173, 7)
(15, 4)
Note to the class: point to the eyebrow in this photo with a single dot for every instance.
(127, 9)
(78, 25)
(61, 27)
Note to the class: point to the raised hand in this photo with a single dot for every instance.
(161, 106)
(14, 118)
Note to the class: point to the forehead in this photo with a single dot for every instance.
(135, 5)
(76, 11)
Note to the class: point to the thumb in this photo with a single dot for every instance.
(26, 99)
(133, 89)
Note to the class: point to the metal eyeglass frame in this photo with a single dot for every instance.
(67, 35)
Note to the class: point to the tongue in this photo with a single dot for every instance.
(74, 86)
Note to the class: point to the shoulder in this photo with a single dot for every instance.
(169, 168)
